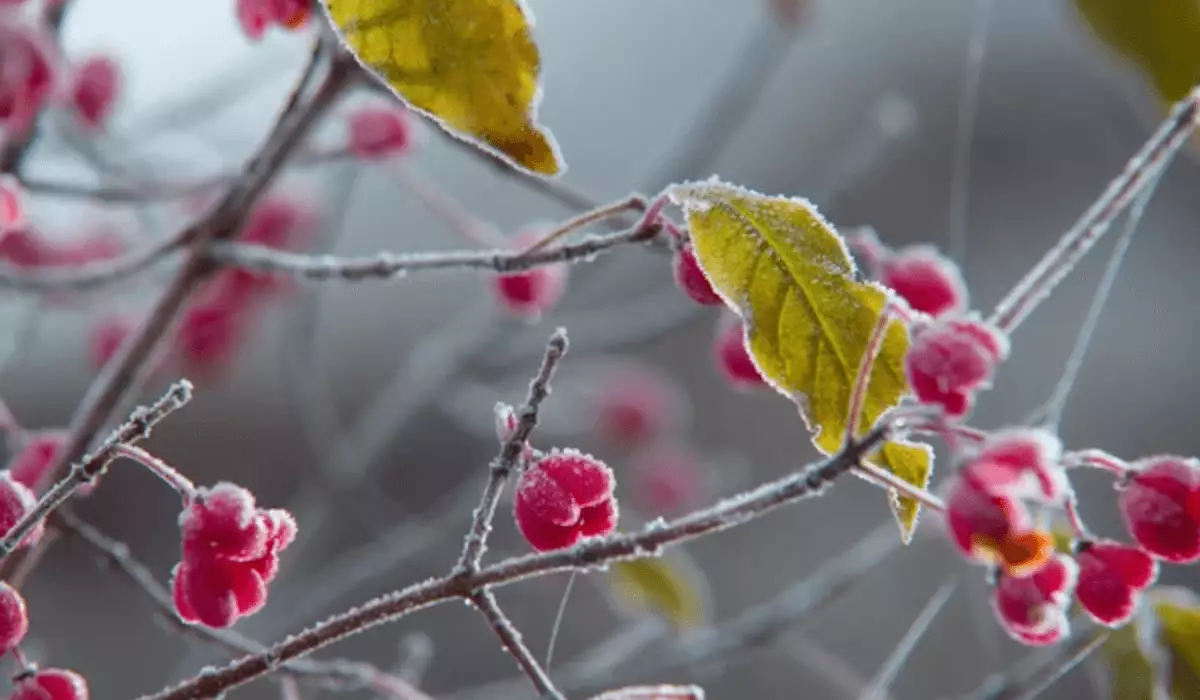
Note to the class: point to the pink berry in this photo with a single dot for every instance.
(635, 405)
(1158, 503)
(217, 593)
(530, 293)
(1023, 462)
(1033, 610)
(291, 14)
(95, 90)
(927, 280)
(254, 16)
(29, 69)
(14, 618)
(209, 336)
(668, 479)
(690, 277)
(16, 501)
(51, 684)
(379, 131)
(1111, 577)
(563, 497)
(733, 359)
(24, 248)
(29, 466)
(12, 204)
(951, 359)
(222, 523)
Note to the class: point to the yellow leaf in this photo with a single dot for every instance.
(471, 64)
(1157, 655)
(1160, 37)
(670, 586)
(808, 320)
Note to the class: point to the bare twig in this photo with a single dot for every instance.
(387, 265)
(475, 543)
(1141, 171)
(968, 105)
(895, 662)
(93, 274)
(729, 513)
(92, 465)
(1025, 684)
(486, 603)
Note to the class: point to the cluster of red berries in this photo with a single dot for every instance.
(562, 497)
(33, 683)
(257, 16)
(231, 552)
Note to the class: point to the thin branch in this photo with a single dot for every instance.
(92, 465)
(968, 106)
(1022, 683)
(895, 662)
(1141, 171)
(388, 265)
(726, 514)
(92, 275)
(486, 603)
(475, 543)
(633, 202)
(182, 485)
(339, 674)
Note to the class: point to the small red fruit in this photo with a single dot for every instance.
(1033, 610)
(379, 131)
(924, 278)
(16, 501)
(564, 497)
(14, 618)
(94, 92)
(1112, 576)
(29, 466)
(690, 277)
(51, 684)
(951, 359)
(530, 293)
(1158, 501)
(733, 359)
(221, 523)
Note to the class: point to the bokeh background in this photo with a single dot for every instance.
(858, 110)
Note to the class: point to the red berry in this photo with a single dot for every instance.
(12, 205)
(37, 455)
(29, 68)
(106, 337)
(1111, 577)
(563, 497)
(14, 618)
(690, 277)
(951, 359)
(634, 405)
(1022, 462)
(291, 14)
(24, 248)
(95, 90)
(1158, 503)
(1033, 610)
(924, 278)
(254, 16)
(530, 293)
(16, 501)
(209, 336)
(379, 131)
(733, 359)
(51, 684)
(216, 593)
(667, 479)
(222, 523)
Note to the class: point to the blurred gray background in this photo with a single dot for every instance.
(624, 80)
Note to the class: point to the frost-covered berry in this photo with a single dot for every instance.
(29, 466)
(635, 405)
(530, 293)
(16, 501)
(217, 593)
(1112, 576)
(14, 618)
(994, 528)
(12, 204)
(51, 684)
(951, 359)
(691, 278)
(94, 91)
(733, 359)
(1033, 610)
(379, 131)
(221, 523)
(564, 497)
(1024, 462)
(924, 278)
(1159, 503)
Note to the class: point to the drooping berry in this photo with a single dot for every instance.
(733, 359)
(1033, 610)
(530, 293)
(14, 618)
(564, 497)
(254, 17)
(634, 405)
(16, 501)
(1023, 462)
(1112, 576)
(668, 479)
(1158, 502)
(951, 359)
(94, 92)
(29, 466)
(994, 528)
(924, 278)
(690, 277)
(51, 684)
(12, 204)
(208, 337)
(379, 131)
(291, 14)
(221, 523)
(216, 593)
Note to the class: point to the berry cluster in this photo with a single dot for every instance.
(33, 683)
(257, 16)
(231, 552)
(562, 497)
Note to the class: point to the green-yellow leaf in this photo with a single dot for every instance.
(471, 64)
(1160, 37)
(788, 273)
(670, 586)
(1160, 649)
